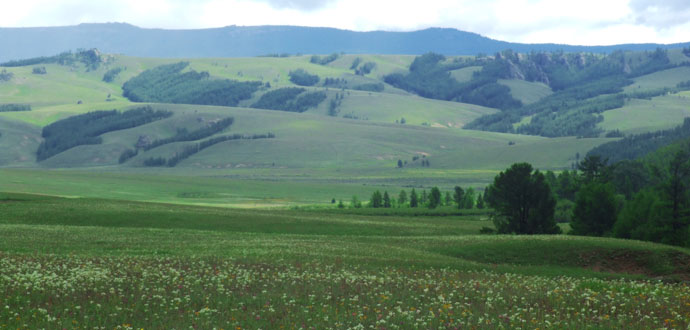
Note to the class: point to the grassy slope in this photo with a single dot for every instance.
(639, 116)
(104, 227)
(525, 91)
(657, 80)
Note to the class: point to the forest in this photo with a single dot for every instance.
(292, 99)
(168, 84)
(86, 128)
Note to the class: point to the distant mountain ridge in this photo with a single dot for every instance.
(247, 41)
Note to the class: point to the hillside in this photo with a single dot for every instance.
(243, 41)
(349, 122)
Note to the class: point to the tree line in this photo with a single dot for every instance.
(14, 107)
(459, 198)
(86, 128)
(190, 150)
(168, 84)
(292, 99)
(645, 200)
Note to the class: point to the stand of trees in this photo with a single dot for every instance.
(303, 78)
(111, 74)
(316, 59)
(91, 58)
(636, 146)
(168, 84)
(14, 107)
(198, 134)
(290, 99)
(190, 150)
(87, 128)
(5, 75)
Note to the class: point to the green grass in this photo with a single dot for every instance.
(465, 74)
(525, 91)
(97, 262)
(658, 80)
(638, 116)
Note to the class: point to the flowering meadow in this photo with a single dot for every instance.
(66, 292)
(101, 264)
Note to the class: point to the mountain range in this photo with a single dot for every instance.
(248, 41)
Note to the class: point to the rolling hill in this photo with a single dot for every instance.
(353, 136)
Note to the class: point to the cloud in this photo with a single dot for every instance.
(661, 15)
(306, 5)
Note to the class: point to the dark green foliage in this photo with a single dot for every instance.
(567, 185)
(414, 201)
(365, 68)
(355, 203)
(198, 134)
(593, 168)
(402, 198)
(641, 218)
(307, 100)
(564, 210)
(39, 70)
(523, 202)
(111, 74)
(355, 63)
(448, 200)
(278, 99)
(303, 78)
(14, 107)
(316, 59)
(386, 200)
(371, 87)
(335, 82)
(434, 198)
(376, 200)
(459, 196)
(168, 84)
(629, 177)
(127, 154)
(468, 199)
(674, 185)
(636, 146)
(424, 198)
(430, 78)
(86, 129)
(5, 76)
(595, 210)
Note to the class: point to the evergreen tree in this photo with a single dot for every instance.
(523, 202)
(340, 204)
(413, 199)
(376, 200)
(595, 210)
(402, 198)
(434, 198)
(448, 199)
(386, 200)
(400, 163)
(468, 200)
(459, 196)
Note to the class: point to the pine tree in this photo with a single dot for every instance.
(402, 198)
(413, 199)
(386, 200)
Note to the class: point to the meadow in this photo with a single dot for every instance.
(85, 263)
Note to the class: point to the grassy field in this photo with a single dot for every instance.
(94, 262)
(525, 91)
(639, 116)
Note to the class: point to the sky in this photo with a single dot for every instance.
(582, 22)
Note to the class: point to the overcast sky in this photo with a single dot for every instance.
(584, 22)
